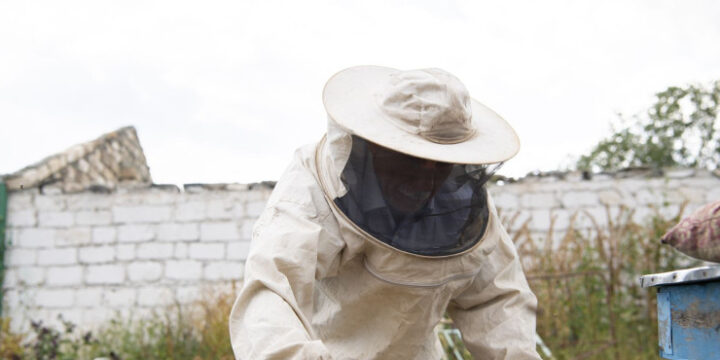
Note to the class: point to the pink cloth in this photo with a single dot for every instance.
(698, 235)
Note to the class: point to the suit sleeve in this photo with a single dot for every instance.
(496, 313)
(271, 317)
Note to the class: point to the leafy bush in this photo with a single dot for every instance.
(680, 129)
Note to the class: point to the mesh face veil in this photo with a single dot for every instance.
(415, 205)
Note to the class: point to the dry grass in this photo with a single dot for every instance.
(590, 303)
(10, 343)
(198, 331)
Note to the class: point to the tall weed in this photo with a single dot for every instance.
(11, 344)
(196, 332)
(590, 303)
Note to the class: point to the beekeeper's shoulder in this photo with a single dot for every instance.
(298, 186)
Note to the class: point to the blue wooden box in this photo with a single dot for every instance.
(688, 312)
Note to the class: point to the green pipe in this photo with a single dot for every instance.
(3, 218)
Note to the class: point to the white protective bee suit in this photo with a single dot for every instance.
(334, 273)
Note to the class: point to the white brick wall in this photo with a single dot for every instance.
(153, 296)
(538, 200)
(135, 233)
(506, 200)
(91, 254)
(574, 199)
(104, 235)
(96, 254)
(19, 257)
(183, 270)
(75, 236)
(207, 251)
(155, 251)
(178, 232)
(88, 297)
(64, 298)
(141, 214)
(255, 208)
(33, 238)
(22, 218)
(181, 251)
(64, 276)
(104, 274)
(238, 250)
(214, 231)
(125, 252)
(57, 256)
(190, 211)
(55, 219)
(224, 270)
(145, 271)
(120, 297)
(51, 203)
(29, 275)
(89, 217)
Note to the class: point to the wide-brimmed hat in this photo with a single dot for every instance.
(426, 113)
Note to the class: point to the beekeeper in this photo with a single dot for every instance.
(376, 231)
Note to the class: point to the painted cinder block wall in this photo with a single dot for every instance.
(92, 255)
(89, 256)
(538, 200)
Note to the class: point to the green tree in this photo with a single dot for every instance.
(680, 129)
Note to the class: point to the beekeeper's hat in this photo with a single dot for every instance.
(426, 113)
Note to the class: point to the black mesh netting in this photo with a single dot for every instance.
(415, 205)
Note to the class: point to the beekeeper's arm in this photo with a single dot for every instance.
(271, 315)
(496, 314)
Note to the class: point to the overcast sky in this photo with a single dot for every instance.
(224, 91)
